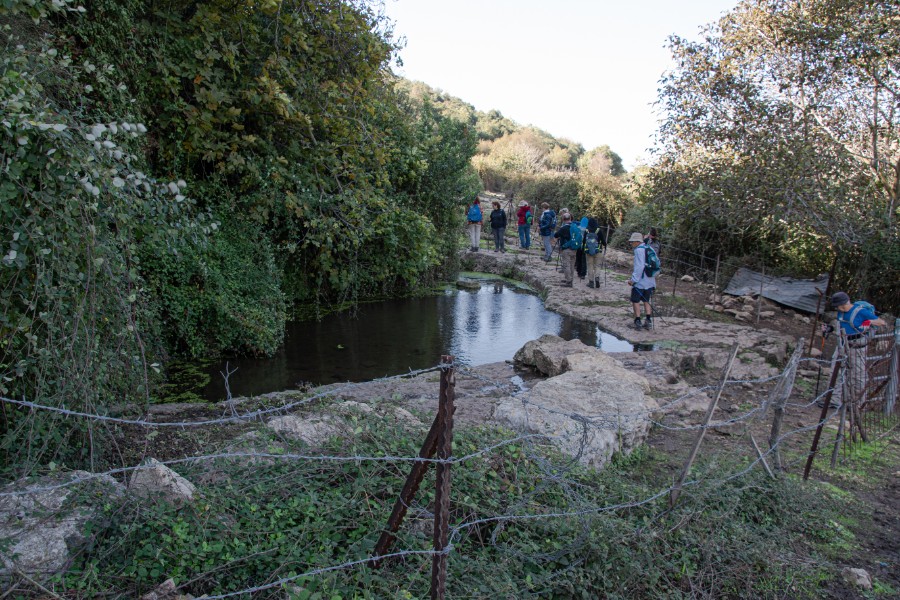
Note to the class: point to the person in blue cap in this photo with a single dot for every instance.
(855, 320)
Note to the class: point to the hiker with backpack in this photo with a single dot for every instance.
(474, 218)
(570, 239)
(498, 227)
(652, 240)
(546, 226)
(580, 261)
(855, 320)
(592, 252)
(524, 218)
(643, 280)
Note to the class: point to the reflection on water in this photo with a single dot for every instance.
(396, 336)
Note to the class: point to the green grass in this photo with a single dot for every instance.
(292, 516)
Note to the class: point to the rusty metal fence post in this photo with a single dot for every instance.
(442, 486)
(417, 473)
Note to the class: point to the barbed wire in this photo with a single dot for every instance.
(555, 474)
(256, 414)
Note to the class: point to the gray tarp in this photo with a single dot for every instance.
(796, 293)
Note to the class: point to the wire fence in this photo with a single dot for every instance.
(451, 528)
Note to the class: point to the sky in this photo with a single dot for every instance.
(586, 70)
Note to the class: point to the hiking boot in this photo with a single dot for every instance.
(597, 282)
(567, 284)
(637, 323)
(648, 323)
(591, 283)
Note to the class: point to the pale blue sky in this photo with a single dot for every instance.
(581, 69)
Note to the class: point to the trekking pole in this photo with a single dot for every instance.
(605, 265)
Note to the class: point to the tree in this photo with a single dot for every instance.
(781, 134)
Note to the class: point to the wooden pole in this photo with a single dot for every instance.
(784, 389)
(413, 481)
(676, 490)
(840, 434)
(762, 458)
(442, 485)
(812, 335)
(893, 392)
(716, 279)
(762, 281)
(815, 444)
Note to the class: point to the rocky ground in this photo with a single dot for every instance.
(590, 403)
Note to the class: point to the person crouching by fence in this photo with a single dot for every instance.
(568, 244)
(855, 320)
(498, 227)
(642, 284)
(474, 217)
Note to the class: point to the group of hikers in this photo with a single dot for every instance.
(580, 245)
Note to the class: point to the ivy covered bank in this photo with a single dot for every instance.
(178, 176)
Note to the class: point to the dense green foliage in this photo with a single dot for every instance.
(781, 141)
(526, 163)
(259, 522)
(177, 176)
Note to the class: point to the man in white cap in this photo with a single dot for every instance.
(642, 285)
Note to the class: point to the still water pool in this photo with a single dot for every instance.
(387, 338)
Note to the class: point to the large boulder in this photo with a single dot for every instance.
(524, 357)
(593, 409)
(156, 480)
(43, 523)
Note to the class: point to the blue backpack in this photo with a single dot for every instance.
(474, 214)
(651, 262)
(850, 316)
(591, 243)
(576, 240)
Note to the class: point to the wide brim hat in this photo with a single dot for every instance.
(522, 203)
(636, 237)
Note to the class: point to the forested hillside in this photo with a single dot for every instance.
(781, 142)
(179, 176)
(530, 164)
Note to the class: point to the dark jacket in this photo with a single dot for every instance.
(498, 219)
(564, 234)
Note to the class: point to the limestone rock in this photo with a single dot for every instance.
(586, 414)
(590, 407)
(468, 284)
(730, 302)
(687, 279)
(598, 361)
(156, 480)
(167, 590)
(858, 577)
(766, 314)
(313, 430)
(710, 307)
(349, 406)
(815, 353)
(404, 416)
(731, 311)
(744, 316)
(525, 355)
(775, 352)
(43, 531)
